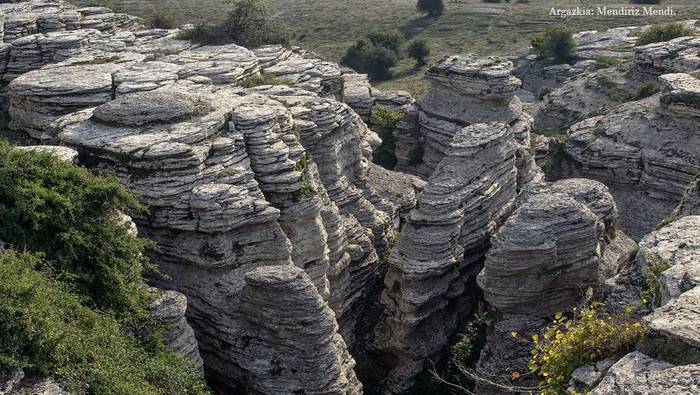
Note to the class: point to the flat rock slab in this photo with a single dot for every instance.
(637, 373)
(679, 319)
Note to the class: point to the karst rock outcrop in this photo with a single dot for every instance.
(465, 90)
(290, 258)
(667, 358)
(562, 240)
(470, 139)
(591, 87)
(646, 151)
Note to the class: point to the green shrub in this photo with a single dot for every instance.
(418, 49)
(431, 7)
(46, 329)
(606, 81)
(386, 121)
(582, 340)
(465, 350)
(365, 57)
(13, 136)
(262, 79)
(646, 90)
(651, 293)
(605, 62)
(67, 213)
(556, 155)
(391, 40)
(160, 20)
(556, 42)
(247, 25)
(544, 92)
(661, 33)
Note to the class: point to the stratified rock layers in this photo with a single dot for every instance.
(207, 183)
(543, 257)
(469, 194)
(561, 241)
(169, 307)
(464, 90)
(292, 346)
(646, 152)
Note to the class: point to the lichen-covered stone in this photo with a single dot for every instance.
(637, 373)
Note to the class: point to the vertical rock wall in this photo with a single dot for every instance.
(441, 246)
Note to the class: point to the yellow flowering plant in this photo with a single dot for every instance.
(587, 336)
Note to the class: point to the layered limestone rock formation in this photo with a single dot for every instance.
(562, 240)
(17, 382)
(235, 179)
(464, 90)
(676, 249)
(293, 345)
(646, 152)
(64, 153)
(537, 73)
(589, 94)
(669, 262)
(221, 172)
(543, 257)
(169, 308)
(271, 219)
(440, 247)
(679, 55)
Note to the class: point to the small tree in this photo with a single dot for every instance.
(391, 40)
(247, 24)
(556, 42)
(375, 61)
(431, 7)
(661, 33)
(418, 49)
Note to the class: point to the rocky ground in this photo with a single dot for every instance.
(291, 257)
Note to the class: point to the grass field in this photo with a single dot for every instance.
(328, 27)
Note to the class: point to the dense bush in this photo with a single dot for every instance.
(556, 42)
(647, 89)
(391, 40)
(247, 25)
(366, 57)
(661, 33)
(386, 120)
(544, 91)
(160, 20)
(431, 7)
(470, 339)
(418, 49)
(67, 214)
(586, 338)
(45, 329)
